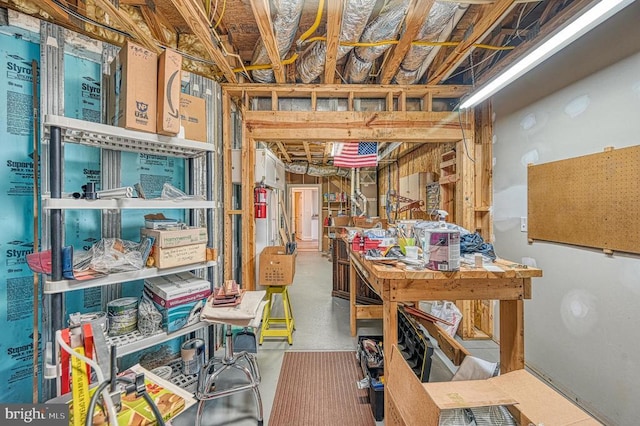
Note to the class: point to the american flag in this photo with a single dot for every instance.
(356, 155)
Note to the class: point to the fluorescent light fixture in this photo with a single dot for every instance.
(585, 23)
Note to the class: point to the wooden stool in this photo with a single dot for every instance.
(268, 321)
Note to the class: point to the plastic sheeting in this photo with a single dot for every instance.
(385, 27)
(355, 15)
(438, 24)
(303, 168)
(285, 26)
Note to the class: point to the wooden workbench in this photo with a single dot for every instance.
(511, 285)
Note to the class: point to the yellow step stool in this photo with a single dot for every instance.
(268, 322)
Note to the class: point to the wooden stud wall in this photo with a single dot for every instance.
(484, 171)
(590, 201)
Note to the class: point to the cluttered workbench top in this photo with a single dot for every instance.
(397, 269)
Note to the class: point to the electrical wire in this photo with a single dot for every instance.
(464, 139)
(315, 25)
(224, 7)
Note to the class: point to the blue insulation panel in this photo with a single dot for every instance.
(16, 218)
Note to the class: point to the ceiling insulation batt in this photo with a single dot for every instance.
(385, 27)
(355, 16)
(442, 19)
(285, 25)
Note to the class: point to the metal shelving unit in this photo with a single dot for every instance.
(59, 130)
(61, 286)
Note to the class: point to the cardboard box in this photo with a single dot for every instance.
(369, 222)
(178, 256)
(528, 399)
(193, 117)
(169, 73)
(176, 238)
(134, 83)
(176, 317)
(176, 289)
(341, 220)
(276, 267)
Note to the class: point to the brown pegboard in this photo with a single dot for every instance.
(591, 201)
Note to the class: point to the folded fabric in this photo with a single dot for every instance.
(246, 310)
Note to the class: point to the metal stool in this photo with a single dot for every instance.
(268, 321)
(217, 366)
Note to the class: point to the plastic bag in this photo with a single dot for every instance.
(110, 255)
(448, 311)
(170, 192)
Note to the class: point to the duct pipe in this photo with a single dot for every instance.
(442, 19)
(354, 200)
(285, 26)
(304, 168)
(386, 26)
(355, 15)
(388, 150)
(359, 194)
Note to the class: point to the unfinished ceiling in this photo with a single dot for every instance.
(326, 42)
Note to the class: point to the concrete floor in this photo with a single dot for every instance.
(322, 324)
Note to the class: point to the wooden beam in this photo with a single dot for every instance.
(262, 15)
(524, 48)
(248, 249)
(227, 136)
(306, 150)
(54, 11)
(417, 13)
(383, 126)
(153, 22)
(346, 90)
(128, 24)
(196, 19)
(334, 21)
(283, 150)
(485, 24)
(327, 151)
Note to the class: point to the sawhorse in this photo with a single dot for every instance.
(267, 329)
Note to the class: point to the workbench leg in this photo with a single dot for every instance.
(390, 338)
(352, 299)
(511, 335)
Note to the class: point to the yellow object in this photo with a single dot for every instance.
(268, 322)
(80, 388)
(402, 242)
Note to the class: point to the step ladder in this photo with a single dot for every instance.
(277, 326)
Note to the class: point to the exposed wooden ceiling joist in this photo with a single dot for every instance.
(197, 21)
(128, 25)
(416, 15)
(492, 16)
(334, 21)
(154, 23)
(283, 150)
(262, 15)
(306, 150)
(556, 22)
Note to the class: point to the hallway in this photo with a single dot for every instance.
(322, 324)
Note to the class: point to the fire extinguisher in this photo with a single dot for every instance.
(260, 201)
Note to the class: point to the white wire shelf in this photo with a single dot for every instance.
(116, 138)
(134, 341)
(123, 204)
(53, 287)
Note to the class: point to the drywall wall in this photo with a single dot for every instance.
(581, 324)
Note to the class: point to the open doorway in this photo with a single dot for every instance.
(305, 203)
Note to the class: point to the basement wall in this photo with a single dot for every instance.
(581, 326)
